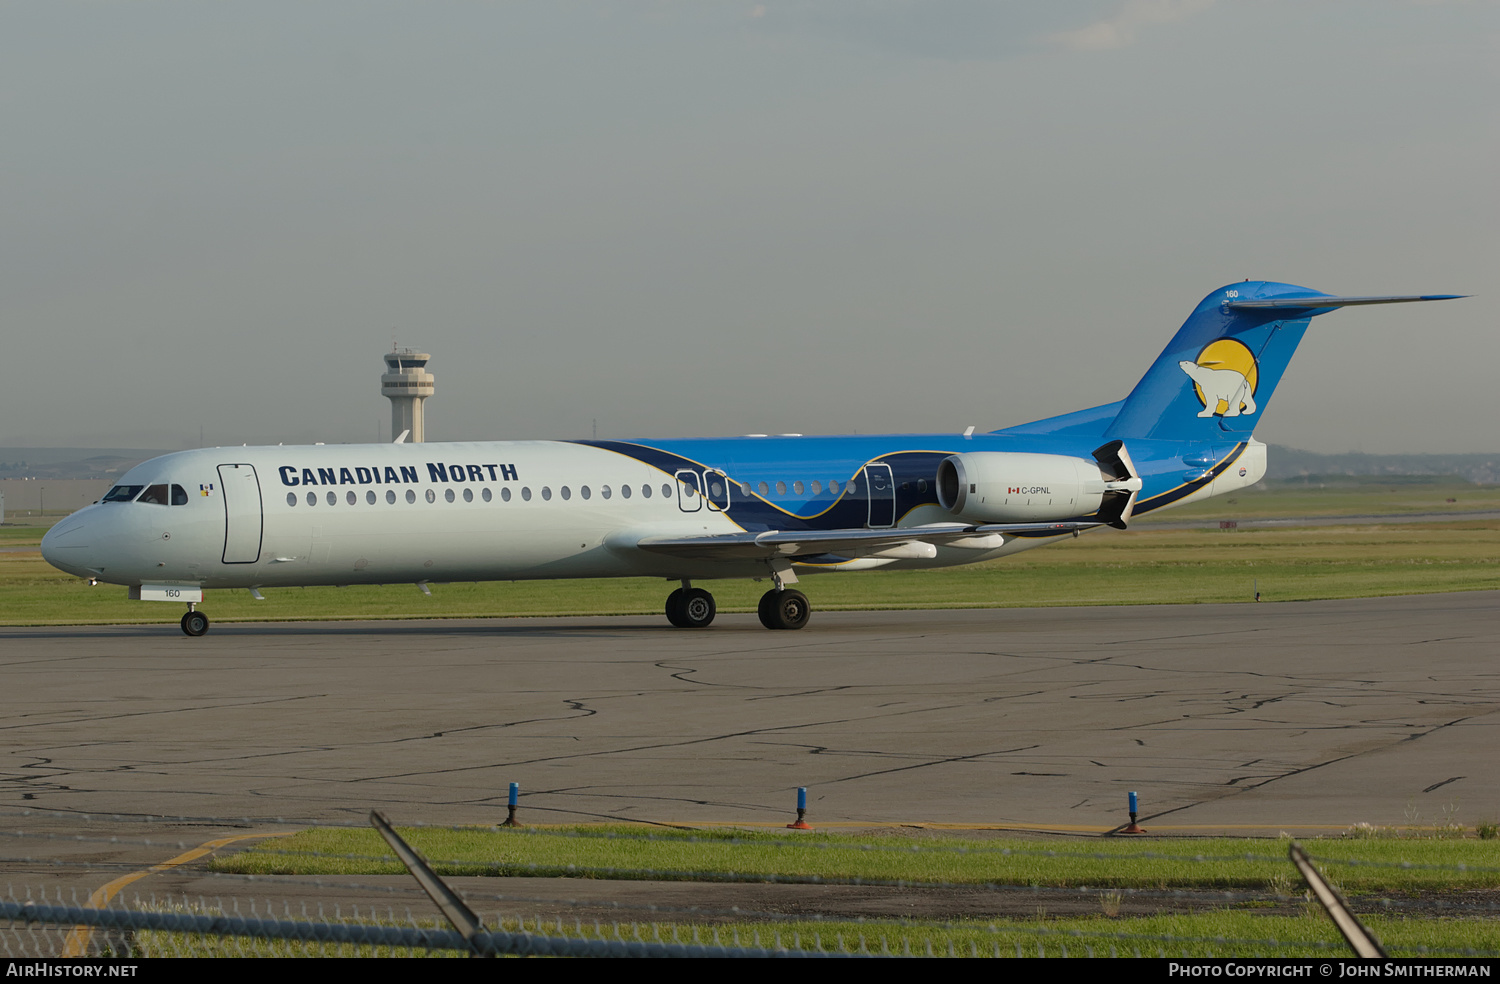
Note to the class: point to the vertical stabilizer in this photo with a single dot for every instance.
(1215, 377)
(1213, 380)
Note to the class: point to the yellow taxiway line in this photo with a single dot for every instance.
(77, 942)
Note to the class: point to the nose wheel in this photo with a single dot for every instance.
(784, 609)
(194, 623)
(690, 608)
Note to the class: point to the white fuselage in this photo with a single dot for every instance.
(374, 514)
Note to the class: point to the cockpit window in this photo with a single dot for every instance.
(159, 495)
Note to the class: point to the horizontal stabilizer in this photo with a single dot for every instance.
(1333, 302)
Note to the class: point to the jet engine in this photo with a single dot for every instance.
(1020, 487)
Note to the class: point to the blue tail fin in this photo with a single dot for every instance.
(1215, 377)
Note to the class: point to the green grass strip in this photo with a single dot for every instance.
(1388, 865)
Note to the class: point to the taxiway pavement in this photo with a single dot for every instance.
(1294, 715)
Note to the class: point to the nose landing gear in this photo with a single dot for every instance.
(194, 623)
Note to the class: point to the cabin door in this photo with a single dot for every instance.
(243, 519)
(882, 490)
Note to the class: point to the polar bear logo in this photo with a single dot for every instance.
(1228, 386)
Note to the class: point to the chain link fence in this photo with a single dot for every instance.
(47, 921)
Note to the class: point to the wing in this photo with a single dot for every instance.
(849, 543)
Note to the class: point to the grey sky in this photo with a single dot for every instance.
(698, 218)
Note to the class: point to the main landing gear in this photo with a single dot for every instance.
(690, 608)
(693, 608)
(784, 608)
(194, 623)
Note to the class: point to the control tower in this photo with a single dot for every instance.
(406, 383)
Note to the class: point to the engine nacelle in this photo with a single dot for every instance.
(1018, 487)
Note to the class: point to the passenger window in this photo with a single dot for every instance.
(645, 491)
(566, 494)
(833, 487)
(156, 494)
(448, 494)
(291, 498)
(390, 497)
(715, 489)
(526, 493)
(797, 487)
(546, 493)
(485, 494)
(312, 498)
(468, 495)
(816, 488)
(431, 496)
(584, 492)
(604, 491)
(351, 498)
(370, 497)
(745, 489)
(625, 491)
(765, 489)
(505, 494)
(666, 491)
(781, 488)
(333, 498)
(411, 496)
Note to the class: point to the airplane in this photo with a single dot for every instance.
(685, 510)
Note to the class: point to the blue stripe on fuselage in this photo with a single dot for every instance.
(913, 459)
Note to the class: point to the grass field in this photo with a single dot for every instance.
(1139, 566)
(1341, 496)
(1383, 865)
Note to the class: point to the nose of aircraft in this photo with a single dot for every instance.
(66, 546)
